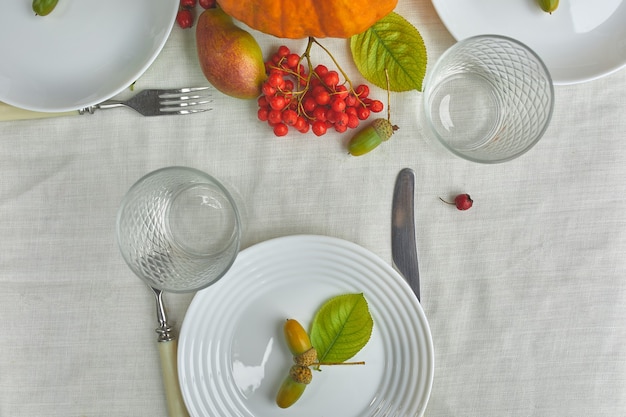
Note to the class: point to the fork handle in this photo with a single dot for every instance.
(8, 112)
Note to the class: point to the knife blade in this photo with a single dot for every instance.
(403, 244)
(8, 113)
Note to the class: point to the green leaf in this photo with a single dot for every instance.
(341, 327)
(395, 44)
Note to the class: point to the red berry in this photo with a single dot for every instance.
(275, 117)
(319, 113)
(288, 85)
(283, 51)
(263, 114)
(461, 201)
(340, 128)
(351, 100)
(353, 121)
(351, 110)
(277, 102)
(362, 91)
(331, 115)
(292, 60)
(362, 112)
(322, 97)
(276, 80)
(281, 129)
(376, 106)
(304, 128)
(319, 127)
(206, 4)
(338, 104)
(184, 18)
(341, 91)
(309, 104)
(301, 124)
(188, 4)
(268, 90)
(321, 70)
(262, 101)
(331, 79)
(341, 119)
(290, 117)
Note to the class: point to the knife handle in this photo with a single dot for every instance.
(175, 404)
(8, 112)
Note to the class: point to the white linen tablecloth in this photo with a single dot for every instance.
(525, 293)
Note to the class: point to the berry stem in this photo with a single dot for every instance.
(388, 96)
(447, 202)
(313, 40)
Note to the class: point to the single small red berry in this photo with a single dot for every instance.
(376, 106)
(362, 112)
(188, 4)
(290, 117)
(331, 79)
(321, 70)
(292, 60)
(353, 121)
(207, 4)
(322, 97)
(283, 51)
(309, 104)
(184, 18)
(319, 127)
(263, 114)
(276, 80)
(338, 104)
(277, 102)
(362, 91)
(281, 129)
(268, 90)
(461, 201)
(274, 116)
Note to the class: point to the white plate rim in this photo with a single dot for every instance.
(552, 36)
(190, 355)
(67, 43)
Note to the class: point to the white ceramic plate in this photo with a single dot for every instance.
(82, 53)
(232, 355)
(581, 41)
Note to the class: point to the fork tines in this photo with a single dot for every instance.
(184, 100)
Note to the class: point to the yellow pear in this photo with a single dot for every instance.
(230, 57)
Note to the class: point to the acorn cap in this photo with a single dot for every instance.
(301, 374)
(384, 128)
(307, 358)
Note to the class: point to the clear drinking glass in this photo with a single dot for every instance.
(178, 229)
(488, 99)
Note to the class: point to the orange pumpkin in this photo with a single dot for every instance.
(304, 18)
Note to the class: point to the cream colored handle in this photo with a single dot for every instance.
(8, 112)
(175, 404)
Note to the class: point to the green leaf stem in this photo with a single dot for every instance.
(392, 43)
(341, 328)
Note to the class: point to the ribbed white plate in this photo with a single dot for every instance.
(232, 355)
(581, 41)
(82, 53)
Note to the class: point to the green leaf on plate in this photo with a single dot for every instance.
(341, 327)
(394, 44)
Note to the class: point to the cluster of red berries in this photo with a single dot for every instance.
(315, 101)
(185, 17)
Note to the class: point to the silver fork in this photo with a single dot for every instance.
(161, 102)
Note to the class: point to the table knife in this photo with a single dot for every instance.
(403, 244)
(8, 112)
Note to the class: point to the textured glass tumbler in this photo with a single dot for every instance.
(178, 229)
(488, 99)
